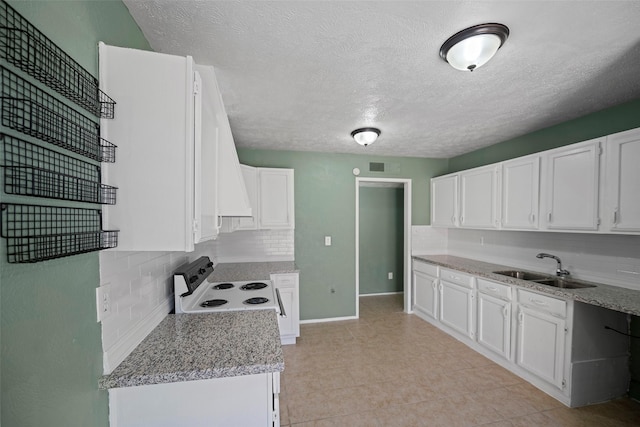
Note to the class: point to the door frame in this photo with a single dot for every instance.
(406, 184)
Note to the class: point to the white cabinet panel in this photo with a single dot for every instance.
(426, 293)
(479, 197)
(444, 201)
(154, 132)
(520, 193)
(622, 182)
(540, 350)
(457, 308)
(275, 198)
(571, 187)
(288, 287)
(494, 324)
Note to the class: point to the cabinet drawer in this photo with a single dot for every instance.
(457, 277)
(499, 290)
(284, 280)
(425, 267)
(555, 306)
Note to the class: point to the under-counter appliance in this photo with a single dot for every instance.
(195, 294)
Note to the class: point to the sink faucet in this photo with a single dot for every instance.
(560, 272)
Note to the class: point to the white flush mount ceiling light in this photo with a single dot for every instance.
(475, 46)
(365, 136)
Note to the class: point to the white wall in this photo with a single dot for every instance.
(140, 284)
(610, 259)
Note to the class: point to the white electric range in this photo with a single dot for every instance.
(195, 294)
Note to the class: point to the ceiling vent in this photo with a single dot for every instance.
(376, 167)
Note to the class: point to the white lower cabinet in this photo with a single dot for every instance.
(246, 400)
(457, 302)
(425, 289)
(540, 345)
(288, 288)
(494, 317)
(560, 346)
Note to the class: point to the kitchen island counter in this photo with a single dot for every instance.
(242, 271)
(187, 347)
(602, 295)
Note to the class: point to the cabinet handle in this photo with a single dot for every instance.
(538, 302)
(532, 218)
(434, 284)
(462, 219)
(615, 216)
(504, 311)
(549, 217)
(440, 287)
(453, 220)
(492, 289)
(520, 316)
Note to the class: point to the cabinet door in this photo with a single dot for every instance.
(444, 201)
(288, 287)
(520, 193)
(572, 187)
(457, 308)
(622, 186)
(540, 348)
(426, 293)
(479, 197)
(494, 324)
(275, 198)
(206, 155)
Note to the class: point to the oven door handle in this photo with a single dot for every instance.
(282, 312)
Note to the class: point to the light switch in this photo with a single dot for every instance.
(327, 240)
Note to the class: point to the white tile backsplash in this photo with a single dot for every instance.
(427, 240)
(141, 283)
(609, 258)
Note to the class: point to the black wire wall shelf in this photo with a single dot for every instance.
(25, 47)
(37, 233)
(32, 170)
(32, 111)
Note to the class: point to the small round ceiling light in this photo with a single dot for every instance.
(473, 47)
(365, 136)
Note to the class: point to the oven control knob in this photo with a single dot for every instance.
(210, 264)
(193, 279)
(202, 271)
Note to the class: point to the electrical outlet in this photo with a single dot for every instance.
(390, 275)
(103, 301)
(327, 240)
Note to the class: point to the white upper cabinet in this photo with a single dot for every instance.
(621, 212)
(480, 197)
(275, 198)
(250, 175)
(169, 136)
(570, 189)
(520, 193)
(444, 201)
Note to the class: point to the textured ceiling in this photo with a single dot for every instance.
(301, 75)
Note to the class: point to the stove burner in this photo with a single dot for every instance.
(223, 286)
(214, 303)
(253, 286)
(256, 300)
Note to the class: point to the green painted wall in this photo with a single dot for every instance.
(51, 350)
(616, 119)
(381, 239)
(325, 206)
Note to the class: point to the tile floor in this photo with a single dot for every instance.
(393, 369)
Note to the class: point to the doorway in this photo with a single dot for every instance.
(405, 185)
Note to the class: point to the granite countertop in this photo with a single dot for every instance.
(603, 295)
(243, 271)
(185, 347)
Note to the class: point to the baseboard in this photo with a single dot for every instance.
(382, 293)
(328, 319)
(125, 345)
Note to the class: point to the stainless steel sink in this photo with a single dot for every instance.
(563, 283)
(556, 282)
(523, 275)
